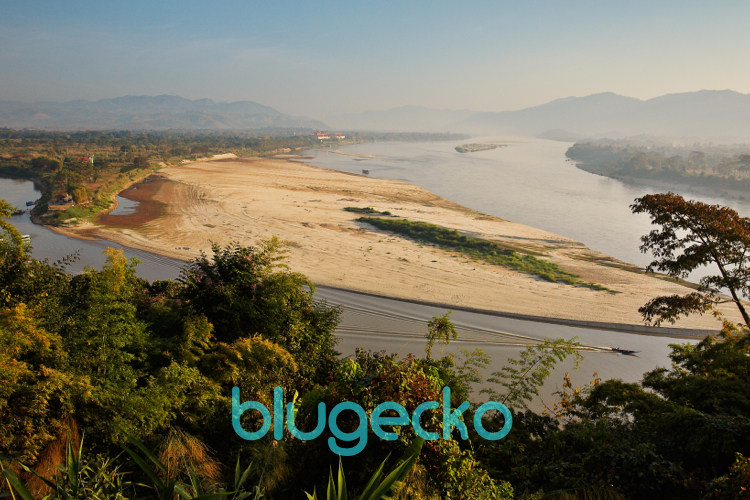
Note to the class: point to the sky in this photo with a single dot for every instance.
(322, 58)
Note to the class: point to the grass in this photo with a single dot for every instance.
(365, 210)
(479, 249)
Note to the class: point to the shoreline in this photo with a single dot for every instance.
(211, 201)
(674, 187)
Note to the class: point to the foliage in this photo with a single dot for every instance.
(78, 478)
(444, 469)
(362, 210)
(46, 164)
(694, 234)
(716, 167)
(735, 484)
(36, 395)
(472, 148)
(669, 437)
(477, 248)
(80, 194)
(169, 487)
(12, 248)
(523, 377)
(376, 488)
(440, 329)
(154, 363)
(246, 292)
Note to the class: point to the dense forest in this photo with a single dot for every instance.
(719, 167)
(114, 387)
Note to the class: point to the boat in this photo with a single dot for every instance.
(366, 172)
(18, 212)
(26, 238)
(29, 203)
(626, 352)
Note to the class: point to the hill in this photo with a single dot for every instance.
(715, 114)
(162, 112)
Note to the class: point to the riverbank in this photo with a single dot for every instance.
(728, 190)
(250, 199)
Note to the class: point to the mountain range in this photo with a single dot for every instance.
(721, 115)
(703, 114)
(147, 113)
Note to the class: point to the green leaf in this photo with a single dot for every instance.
(17, 485)
(372, 484)
(145, 451)
(144, 466)
(331, 493)
(342, 482)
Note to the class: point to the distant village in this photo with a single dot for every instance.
(325, 136)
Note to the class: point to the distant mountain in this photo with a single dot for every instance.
(703, 114)
(147, 113)
(403, 119)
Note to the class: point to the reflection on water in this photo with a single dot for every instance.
(124, 206)
(47, 244)
(531, 183)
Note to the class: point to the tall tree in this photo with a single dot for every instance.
(695, 234)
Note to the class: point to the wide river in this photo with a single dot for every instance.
(530, 182)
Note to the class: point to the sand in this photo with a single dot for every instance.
(250, 199)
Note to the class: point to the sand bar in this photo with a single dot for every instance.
(249, 199)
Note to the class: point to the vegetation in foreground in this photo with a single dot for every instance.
(102, 362)
(479, 249)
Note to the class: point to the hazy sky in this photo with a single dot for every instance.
(320, 58)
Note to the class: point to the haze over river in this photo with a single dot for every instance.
(530, 182)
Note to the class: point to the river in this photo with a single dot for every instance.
(530, 182)
(47, 244)
(380, 323)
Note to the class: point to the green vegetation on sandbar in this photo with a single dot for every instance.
(479, 249)
(471, 148)
(365, 210)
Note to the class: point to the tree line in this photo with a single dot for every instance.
(721, 167)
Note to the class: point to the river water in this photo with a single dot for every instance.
(530, 182)
(46, 244)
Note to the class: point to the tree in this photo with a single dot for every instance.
(440, 328)
(80, 194)
(12, 248)
(140, 162)
(46, 164)
(694, 234)
(246, 291)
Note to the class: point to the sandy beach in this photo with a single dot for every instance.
(249, 199)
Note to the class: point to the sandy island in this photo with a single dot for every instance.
(186, 208)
